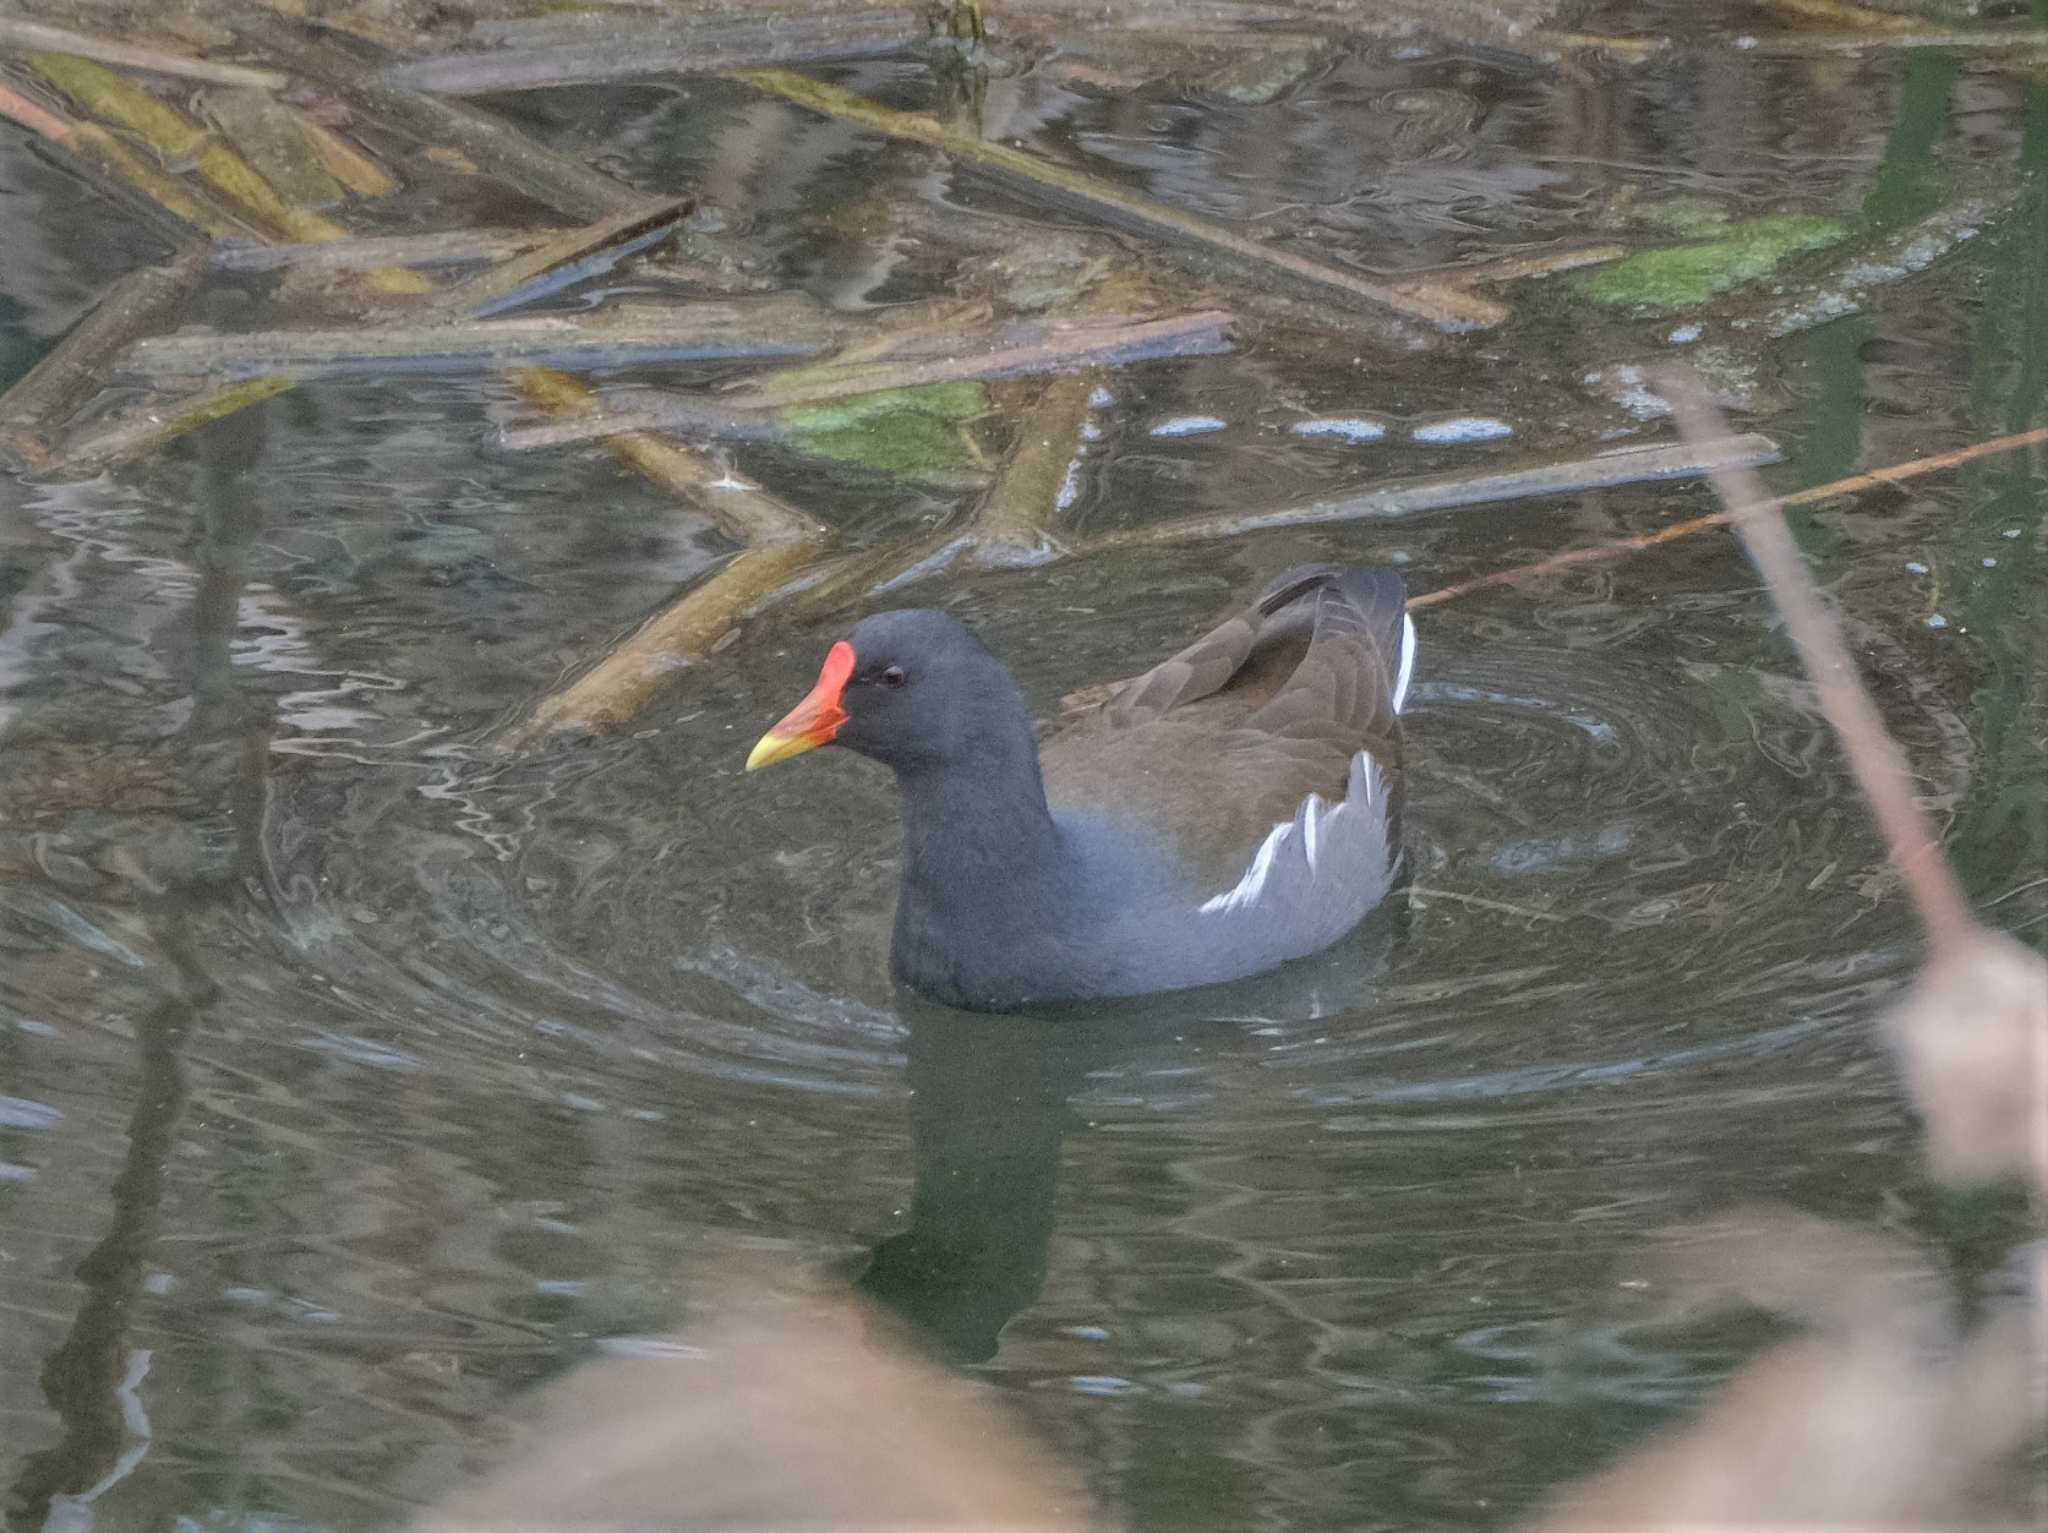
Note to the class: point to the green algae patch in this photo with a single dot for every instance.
(918, 433)
(1686, 275)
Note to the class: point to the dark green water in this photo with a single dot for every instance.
(354, 1078)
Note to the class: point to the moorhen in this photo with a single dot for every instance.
(1234, 807)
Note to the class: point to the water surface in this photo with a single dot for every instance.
(354, 1077)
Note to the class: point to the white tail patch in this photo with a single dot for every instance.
(1407, 669)
(1327, 831)
(1254, 878)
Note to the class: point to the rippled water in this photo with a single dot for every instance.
(354, 1076)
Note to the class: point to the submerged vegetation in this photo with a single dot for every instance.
(919, 433)
(1686, 276)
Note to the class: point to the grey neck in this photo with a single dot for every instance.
(977, 833)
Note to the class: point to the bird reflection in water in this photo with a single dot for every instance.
(990, 1109)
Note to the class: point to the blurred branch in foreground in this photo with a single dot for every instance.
(1888, 1415)
(786, 1417)
(1972, 1033)
(1885, 1417)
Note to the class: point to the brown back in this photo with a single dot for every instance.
(1214, 746)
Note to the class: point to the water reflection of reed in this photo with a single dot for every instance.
(89, 1380)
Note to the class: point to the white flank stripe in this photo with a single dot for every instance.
(1319, 820)
(1254, 878)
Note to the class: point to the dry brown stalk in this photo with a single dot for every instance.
(635, 670)
(349, 165)
(1873, 755)
(1614, 548)
(159, 420)
(450, 248)
(768, 327)
(1839, 15)
(1089, 343)
(1541, 43)
(786, 565)
(779, 542)
(1012, 526)
(39, 120)
(101, 150)
(1178, 232)
(978, 354)
(17, 35)
(747, 515)
(492, 146)
(780, 539)
(1511, 269)
(1972, 1033)
(267, 134)
(2014, 40)
(177, 139)
(44, 397)
(570, 257)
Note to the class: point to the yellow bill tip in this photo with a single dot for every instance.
(812, 722)
(775, 746)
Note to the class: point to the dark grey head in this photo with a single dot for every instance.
(913, 689)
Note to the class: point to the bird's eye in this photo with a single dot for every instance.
(893, 676)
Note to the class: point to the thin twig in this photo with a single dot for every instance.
(1614, 548)
(1477, 902)
(37, 119)
(1873, 755)
(567, 259)
(1512, 268)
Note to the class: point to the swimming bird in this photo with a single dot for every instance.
(1233, 808)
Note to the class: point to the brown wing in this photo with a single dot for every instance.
(1215, 746)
